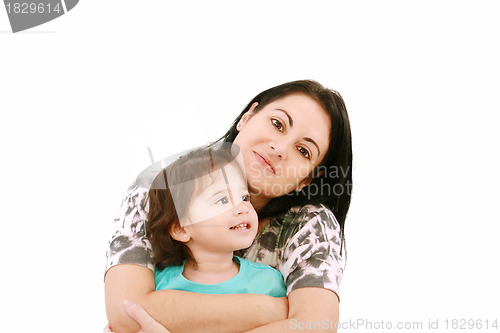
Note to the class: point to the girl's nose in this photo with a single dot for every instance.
(241, 209)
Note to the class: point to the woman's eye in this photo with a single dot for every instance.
(304, 152)
(245, 197)
(222, 201)
(277, 124)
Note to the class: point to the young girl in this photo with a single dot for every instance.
(200, 213)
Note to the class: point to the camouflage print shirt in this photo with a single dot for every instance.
(303, 244)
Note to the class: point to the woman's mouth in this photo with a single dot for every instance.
(264, 162)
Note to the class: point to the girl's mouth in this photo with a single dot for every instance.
(241, 226)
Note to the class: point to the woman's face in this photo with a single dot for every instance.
(281, 144)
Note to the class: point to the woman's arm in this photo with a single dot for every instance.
(312, 267)
(311, 309)
(181, 311)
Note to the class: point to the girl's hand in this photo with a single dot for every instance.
(137, 313)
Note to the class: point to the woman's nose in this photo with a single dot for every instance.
(279, 149)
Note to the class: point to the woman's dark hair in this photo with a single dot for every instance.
(332, 184)
(168, 202)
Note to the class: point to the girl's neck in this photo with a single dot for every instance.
(210, 268)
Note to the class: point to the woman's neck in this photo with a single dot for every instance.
(258, 201)
(210, 268)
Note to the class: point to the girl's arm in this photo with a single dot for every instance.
(181, 311)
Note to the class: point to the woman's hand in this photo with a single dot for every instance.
(137, 313)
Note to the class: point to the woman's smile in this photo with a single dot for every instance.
(264, 161)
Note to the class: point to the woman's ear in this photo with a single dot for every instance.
(246, 116)
(179, 233)
(303, 184)
(306, 181)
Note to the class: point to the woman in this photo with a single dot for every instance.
(296, 145)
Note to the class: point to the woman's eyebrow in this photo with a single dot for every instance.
(314, 143)
(290, 120)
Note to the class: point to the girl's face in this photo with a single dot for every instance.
(221, 218)
(281, 145)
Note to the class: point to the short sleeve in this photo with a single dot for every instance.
(129, 244)
(311, 257)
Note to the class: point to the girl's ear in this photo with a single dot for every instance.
(246, 116)
(179, 233)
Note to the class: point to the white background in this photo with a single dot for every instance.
(421, 83)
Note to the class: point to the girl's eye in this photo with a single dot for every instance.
(245, 197)
(304, 152)
(222, 201)
(277, 124)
